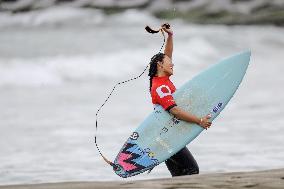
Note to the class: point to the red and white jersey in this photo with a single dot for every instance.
(161, 92)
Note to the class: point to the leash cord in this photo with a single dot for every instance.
(148, 29)
(119, 83)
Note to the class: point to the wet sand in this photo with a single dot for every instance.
(258, 179)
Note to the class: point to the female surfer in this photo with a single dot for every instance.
(161, 88)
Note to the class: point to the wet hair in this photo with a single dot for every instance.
(153, 66)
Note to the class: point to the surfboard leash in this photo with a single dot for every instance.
(149, 30)
(119, 83)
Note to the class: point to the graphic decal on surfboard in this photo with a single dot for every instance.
(132, 159)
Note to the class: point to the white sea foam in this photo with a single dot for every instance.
(52, 16)
(20, 74)
(66, 15)
(60, 70)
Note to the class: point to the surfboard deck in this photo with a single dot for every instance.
(161, 135)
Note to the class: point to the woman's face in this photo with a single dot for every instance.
(166, 66)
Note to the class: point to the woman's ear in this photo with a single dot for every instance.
(160, 64)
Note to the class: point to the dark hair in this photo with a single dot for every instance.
(153, 66)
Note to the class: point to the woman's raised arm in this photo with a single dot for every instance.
(169, 43)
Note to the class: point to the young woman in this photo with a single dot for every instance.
(161, 88)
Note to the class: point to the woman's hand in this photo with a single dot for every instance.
(167, 28)
(204, 122)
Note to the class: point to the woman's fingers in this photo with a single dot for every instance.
(168, 30)
(206, 125)
(166, 25)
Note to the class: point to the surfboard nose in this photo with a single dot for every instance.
(244, 58)
(238, 62)
(246, 54)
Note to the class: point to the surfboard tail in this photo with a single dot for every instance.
(133, 160)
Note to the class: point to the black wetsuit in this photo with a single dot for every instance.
(182, 163)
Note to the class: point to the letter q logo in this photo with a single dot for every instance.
(163, 91)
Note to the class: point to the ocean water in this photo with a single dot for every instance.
(58, 65)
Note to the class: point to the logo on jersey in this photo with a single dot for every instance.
(163, 91)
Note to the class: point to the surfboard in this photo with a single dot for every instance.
(161, 135)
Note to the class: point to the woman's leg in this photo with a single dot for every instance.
(182, 163)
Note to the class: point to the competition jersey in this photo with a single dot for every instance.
(161, 92)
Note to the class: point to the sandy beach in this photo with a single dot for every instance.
(258, 179)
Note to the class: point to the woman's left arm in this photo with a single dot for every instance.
(169, 43)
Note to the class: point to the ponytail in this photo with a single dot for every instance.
(153, 66)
